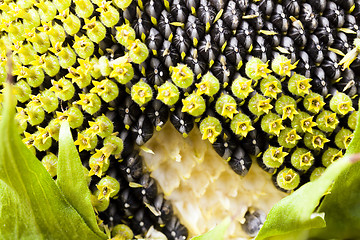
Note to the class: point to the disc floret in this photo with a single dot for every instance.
(141, 93)
(106, 89)
(271, 123)
(83, 46)
(242, 87)
(288, 179)
(98, 164)
(102, 126)
(313, 102)
(288, 138)
(274, 157)
(341, 103)
(282, 66)
(302, 159)
(71, 23)
(226, 106)
(270, 87)
(330, 156)
(85, 141)
(122, 69)
(138, 52)
(49, 161)
(343, 138)
(210, 128)
(327, 121)
(182, 76)
(109, 16)
(125, 34)
(168, 93)
(315, 140)
(259, 104)
(241, 125)
(257, 69)
(63, 89)
(73, 115)
(194, 105)
(108, 187)
(299, 85)
(89, 102)
(209, 85)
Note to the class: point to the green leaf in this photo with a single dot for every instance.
(296, 211)
(30, 191)
(342, 206)
(296, 235)
(217, 233)
(71, 179)
(10, 212)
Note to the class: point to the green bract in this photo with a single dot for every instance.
(32, 205)
(217, 232)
